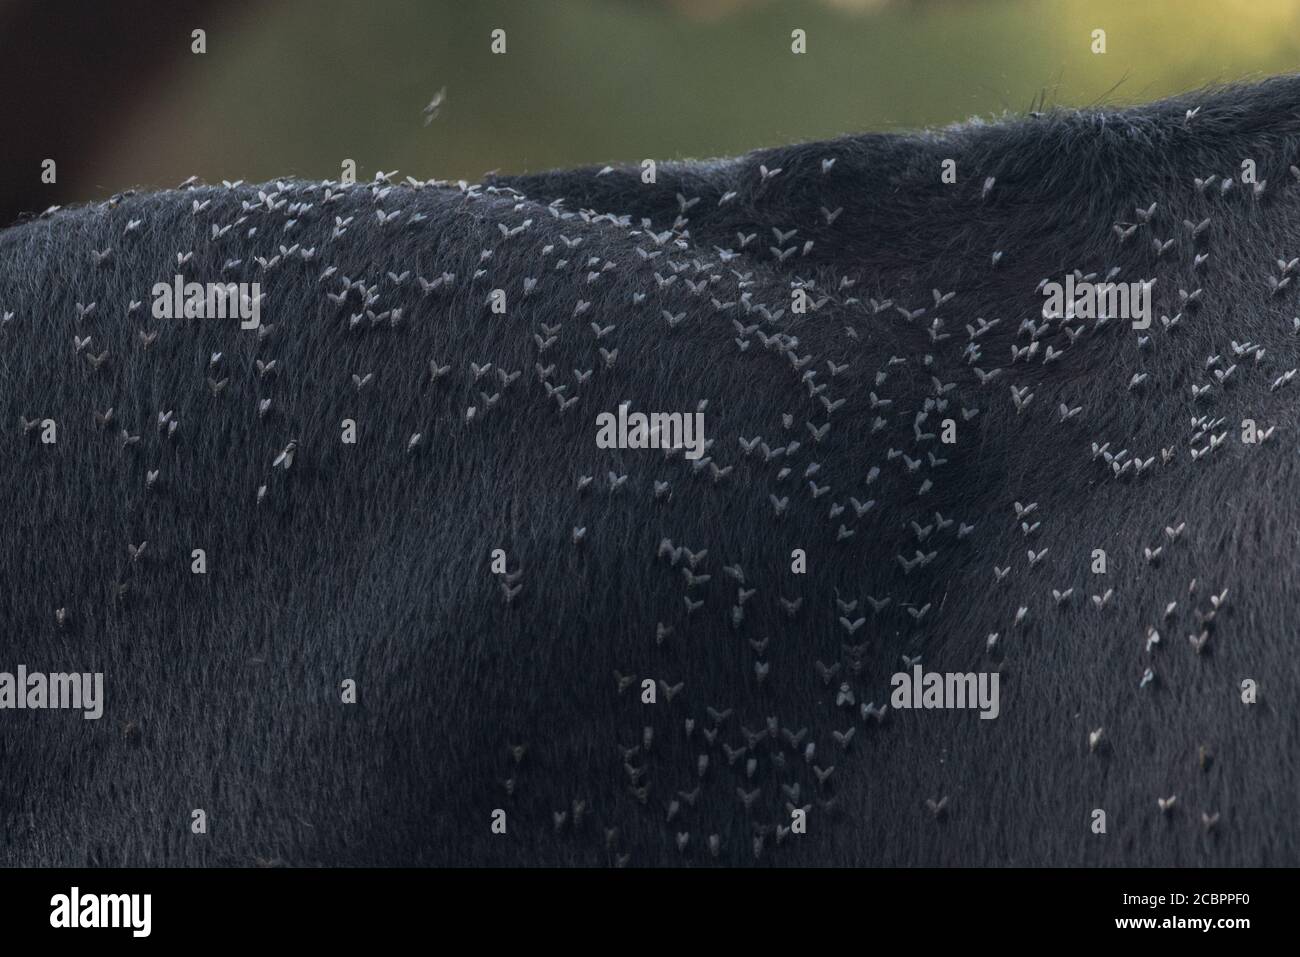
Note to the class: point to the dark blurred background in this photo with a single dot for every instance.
(113, 93)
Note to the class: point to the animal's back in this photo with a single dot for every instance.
(328, 560)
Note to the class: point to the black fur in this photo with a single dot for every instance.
(372, 562)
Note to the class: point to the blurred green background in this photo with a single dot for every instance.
(293, 88)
